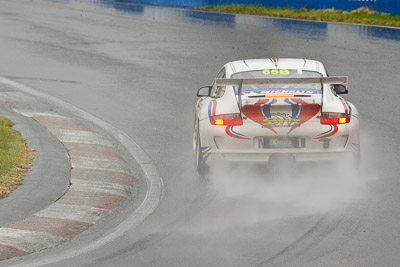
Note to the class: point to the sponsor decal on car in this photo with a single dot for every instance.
(281, 91)
(232, 133)
(307, 111)
(275, 61)
(260, 112)
(280, 120)
(333, 130)
(281, 142)
(212, 106)
(346, 105)
(205, 151)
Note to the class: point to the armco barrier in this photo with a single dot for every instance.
(387, 6)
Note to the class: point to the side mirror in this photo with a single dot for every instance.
(340, 89)
(204, 91)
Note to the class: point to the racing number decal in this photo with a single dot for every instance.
(275, 72)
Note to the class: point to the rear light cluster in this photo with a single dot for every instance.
(226, 119)
(334, 118)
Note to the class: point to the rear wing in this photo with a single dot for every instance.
(260, 81)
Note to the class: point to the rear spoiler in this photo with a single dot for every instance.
(250, 81)
(259, 81)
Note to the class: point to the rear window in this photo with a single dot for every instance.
(278, 73)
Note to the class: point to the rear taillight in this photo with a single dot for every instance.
(334, 118)
(226, 119)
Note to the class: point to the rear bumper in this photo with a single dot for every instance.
(248, 143)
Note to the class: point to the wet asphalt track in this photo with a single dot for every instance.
(139, 69)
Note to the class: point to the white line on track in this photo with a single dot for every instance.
(154, 179)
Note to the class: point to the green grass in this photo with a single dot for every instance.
(15, 157)
(363, 15)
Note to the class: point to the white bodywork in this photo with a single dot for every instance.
(286, 116)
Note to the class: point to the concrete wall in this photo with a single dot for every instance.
(387, 6)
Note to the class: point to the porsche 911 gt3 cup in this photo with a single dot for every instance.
(262, 108)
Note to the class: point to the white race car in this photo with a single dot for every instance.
(259, 110)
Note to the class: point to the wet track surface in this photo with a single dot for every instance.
(138, 68)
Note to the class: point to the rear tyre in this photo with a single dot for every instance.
(200, 163)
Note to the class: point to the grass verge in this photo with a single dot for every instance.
(363, 15)
(15, 157)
